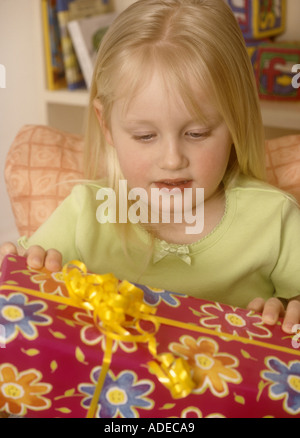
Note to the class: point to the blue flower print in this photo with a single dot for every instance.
(120, 396)
(285, 383)
(154, 296)
(17, 314)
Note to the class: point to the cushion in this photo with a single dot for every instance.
(283, 163)
(42, 166)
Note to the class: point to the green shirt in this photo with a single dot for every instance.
(254, 251)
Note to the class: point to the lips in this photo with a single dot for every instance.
(170, 184)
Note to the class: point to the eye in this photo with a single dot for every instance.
(196, 135)
(144, 137)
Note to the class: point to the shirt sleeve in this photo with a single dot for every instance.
(286, 273)
(59, 231)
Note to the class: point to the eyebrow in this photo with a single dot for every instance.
(205, 122)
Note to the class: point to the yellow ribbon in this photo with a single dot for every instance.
(118, 309)
(174, 374)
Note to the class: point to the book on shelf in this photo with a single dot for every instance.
(73, 72)
(86, 34)
(62, 65)
(55, 71)
(86, 8)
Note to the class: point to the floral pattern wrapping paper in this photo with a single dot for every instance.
(51, 356)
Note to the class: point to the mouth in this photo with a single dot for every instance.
(171, 184)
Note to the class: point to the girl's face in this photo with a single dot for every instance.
(159, 143)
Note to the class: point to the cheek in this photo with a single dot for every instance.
(223, 159)
(134, 166)
(213, 163)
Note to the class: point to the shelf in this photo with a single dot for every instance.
(281, 114)
(67, 97)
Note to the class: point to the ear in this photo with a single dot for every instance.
(99, 114)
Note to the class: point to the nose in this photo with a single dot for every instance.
(172, 155)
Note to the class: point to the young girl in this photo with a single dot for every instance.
(173, 107)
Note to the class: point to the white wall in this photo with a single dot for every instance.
(20, 101)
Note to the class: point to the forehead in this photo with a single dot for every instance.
(158, 91)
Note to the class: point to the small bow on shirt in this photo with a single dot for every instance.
(181, 251)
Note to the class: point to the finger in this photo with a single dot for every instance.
(292, 316)
(36, 256)
(8, 248)
(257, 305)
(5, 249)
(53, 260)
(273, 309)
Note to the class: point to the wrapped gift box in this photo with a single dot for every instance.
(259, 19)
(274, 70)
(52, 357)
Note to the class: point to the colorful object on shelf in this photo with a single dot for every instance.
(73, 73)
(55, 70)
(275, 70)
(260, 18)
(252, 49)
(67, 351)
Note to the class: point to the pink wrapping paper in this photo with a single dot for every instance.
(51, 356)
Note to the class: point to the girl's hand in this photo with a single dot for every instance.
(37, 257)
(273, 308)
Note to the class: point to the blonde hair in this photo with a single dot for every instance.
(193, 43)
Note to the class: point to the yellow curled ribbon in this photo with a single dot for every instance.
(174, 374)
(118, 309)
